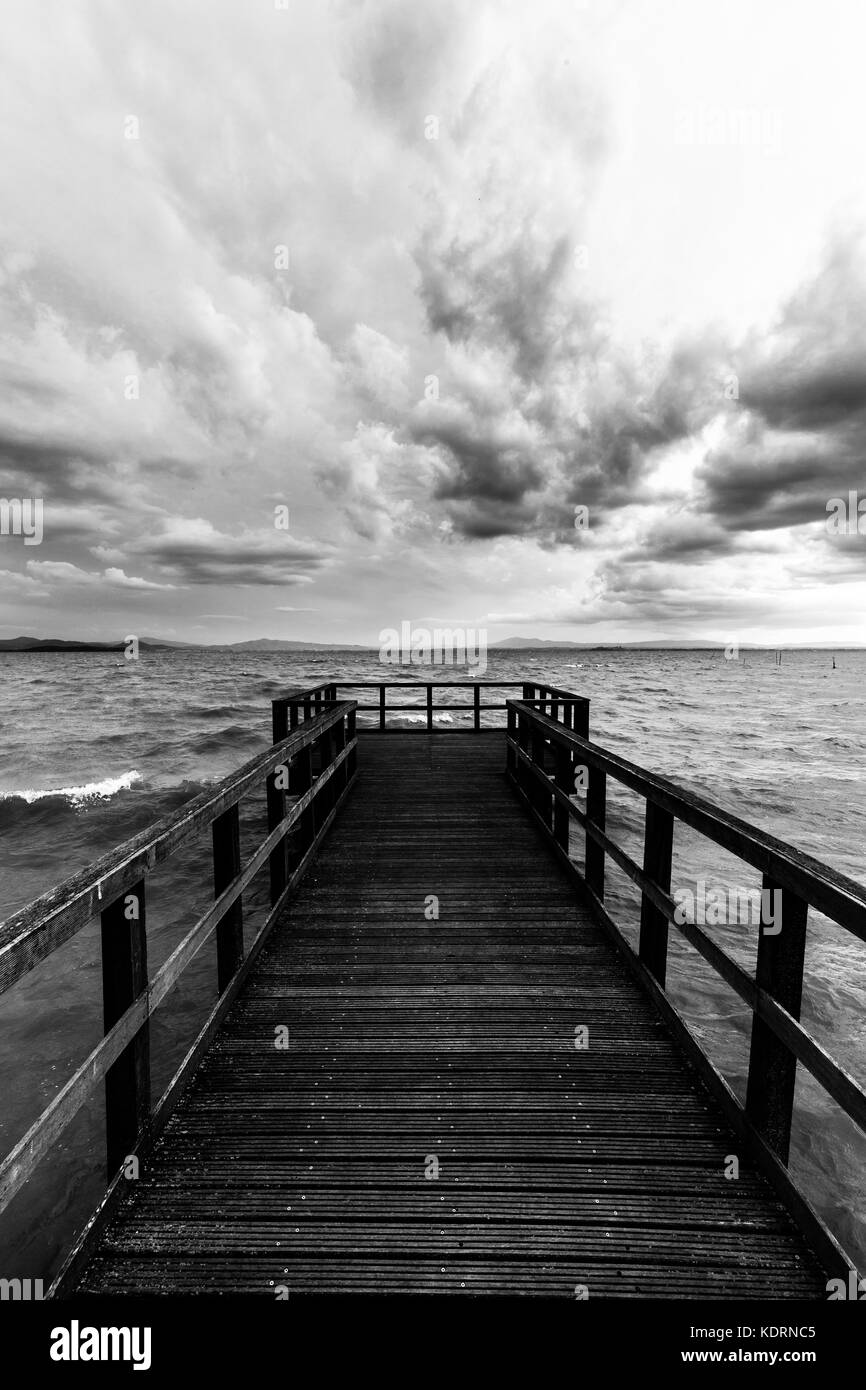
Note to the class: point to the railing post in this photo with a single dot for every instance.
(308, 708)
(538, 792)
(124, 979)
(381, 709)
(561, 816)
(352, 760)
(580, 719)
(525, 779)
(477, 708)
(300, 781)
(328, 794)
(226, 833)
(429, 709)
(279, 858)
(657, 859)
(341, 777)
(779, 971)
(279, 720)
(511, 759)
(293, 716)
(596, 808)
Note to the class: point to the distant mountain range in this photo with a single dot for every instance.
(279, 644)
(59, 644)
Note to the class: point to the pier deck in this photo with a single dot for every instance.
(431, 1125)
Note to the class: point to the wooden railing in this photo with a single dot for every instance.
(778, 1039)
(292, 709)
(300, 809)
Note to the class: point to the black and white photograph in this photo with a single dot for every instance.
(432, 683)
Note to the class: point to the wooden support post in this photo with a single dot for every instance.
(510, 755)
(540, 797)
(300, 781)
(657, 859)
(308, 709)
(561, 817)
(352, 760)
(341, 776)
(124, 978)
(279, 720)
(226, 832)
(381, 708)
(524, 776)
(278, 860)
(327, 796)
(580, 718)
(293, 717)
(596, 809)
(477, 708)
(779, 971)
(429, 709)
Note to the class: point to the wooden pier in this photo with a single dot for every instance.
(440, 1068)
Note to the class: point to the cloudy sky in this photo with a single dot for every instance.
(430, 275)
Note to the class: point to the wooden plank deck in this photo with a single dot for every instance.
(414, 1040)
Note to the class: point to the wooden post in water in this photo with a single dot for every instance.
(657, 858)
(226, 833)
(429, 709)
(381, 709)
(779, 971)
(124, 979)
(477, 708)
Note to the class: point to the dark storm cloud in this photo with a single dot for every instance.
(514, 299)
(486, 468)
(763, 486)
(69, 473)
(800, 396)
(798, 436)
(195, 553)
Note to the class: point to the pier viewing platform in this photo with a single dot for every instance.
(440, 1066)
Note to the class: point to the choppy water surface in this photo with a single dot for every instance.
(96, 748)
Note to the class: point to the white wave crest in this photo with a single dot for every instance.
(77, 796)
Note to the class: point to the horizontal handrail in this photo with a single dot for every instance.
(37, 929)
(779, 1039)
(838, 897)
(288, 709)
(117, 883)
